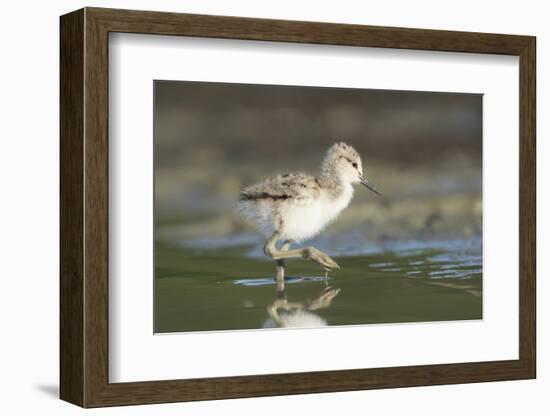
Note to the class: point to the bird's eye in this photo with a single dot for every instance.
(354, 165)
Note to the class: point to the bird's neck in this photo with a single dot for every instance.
(334, 185)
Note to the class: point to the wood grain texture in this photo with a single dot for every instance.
(71, 100)
(162, 23)
(84, 207)
(527, 207)
(96, 218)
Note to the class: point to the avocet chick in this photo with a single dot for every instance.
(293, 207)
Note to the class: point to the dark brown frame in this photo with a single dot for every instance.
(84, 207)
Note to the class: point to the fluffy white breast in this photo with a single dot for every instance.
(303, 221)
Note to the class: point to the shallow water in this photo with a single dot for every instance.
(227, 284)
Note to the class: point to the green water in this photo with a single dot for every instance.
(198, 289)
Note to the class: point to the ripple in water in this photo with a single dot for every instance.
(434, 259)
(271, 280)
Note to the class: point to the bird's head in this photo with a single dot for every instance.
(344, 162)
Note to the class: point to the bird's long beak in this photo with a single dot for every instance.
(369, 185)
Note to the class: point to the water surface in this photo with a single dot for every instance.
(227, 284)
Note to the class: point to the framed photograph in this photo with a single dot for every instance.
(255, 207)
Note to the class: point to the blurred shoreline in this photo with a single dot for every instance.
(427, 205)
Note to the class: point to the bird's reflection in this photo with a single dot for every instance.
(285, 314)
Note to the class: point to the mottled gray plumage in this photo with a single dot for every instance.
(296, 186)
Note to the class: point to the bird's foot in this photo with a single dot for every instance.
(311, 253)
(329, 293)
(324, 300)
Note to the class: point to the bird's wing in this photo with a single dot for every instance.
(298, 187)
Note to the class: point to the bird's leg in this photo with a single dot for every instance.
(280, 278)
(308, 253)
(280, 264)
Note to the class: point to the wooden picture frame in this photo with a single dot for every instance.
(84, 207)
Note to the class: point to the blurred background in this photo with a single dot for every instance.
(423, 150)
